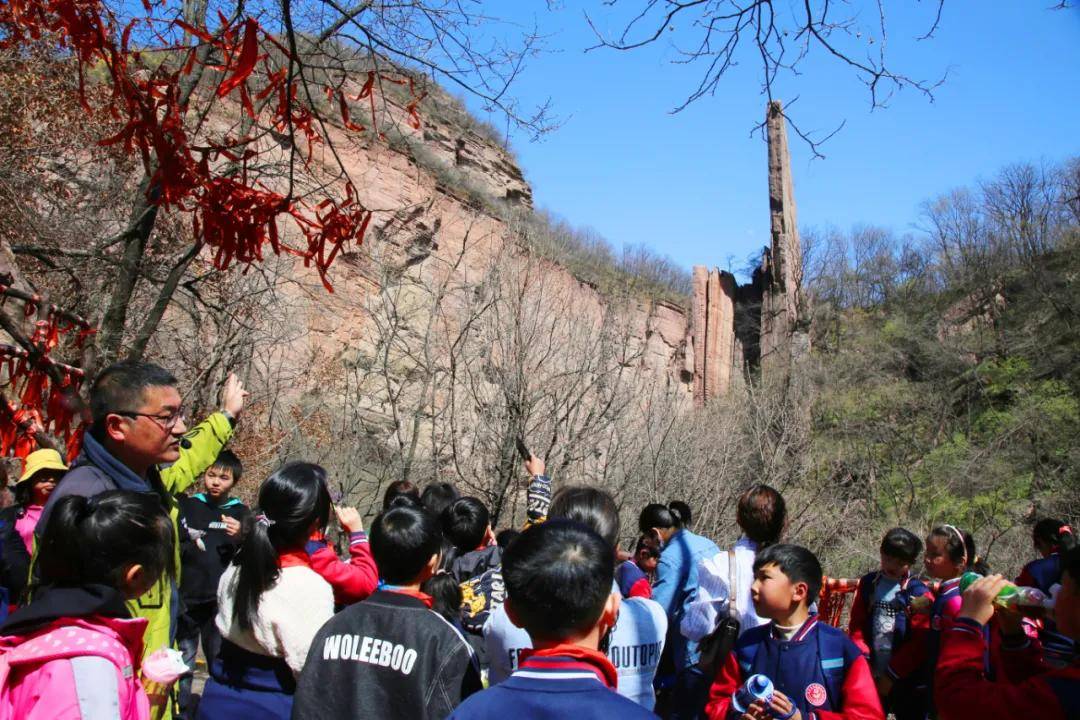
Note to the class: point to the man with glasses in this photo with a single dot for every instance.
(139, 441)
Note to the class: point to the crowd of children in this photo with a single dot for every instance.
(116, 574)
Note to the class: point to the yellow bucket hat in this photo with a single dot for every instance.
(44, 459)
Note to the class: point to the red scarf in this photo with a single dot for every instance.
(293, 558)
(597, 660)
(421, 596)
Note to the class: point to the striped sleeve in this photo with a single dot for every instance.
(537, 499)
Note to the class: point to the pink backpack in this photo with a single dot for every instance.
(20, 657)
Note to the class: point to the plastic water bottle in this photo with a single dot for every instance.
(756, 687)
(1025, 600)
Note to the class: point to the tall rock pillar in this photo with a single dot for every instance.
(713, 316)
(783, 309)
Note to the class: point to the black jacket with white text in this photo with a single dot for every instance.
(386, 657)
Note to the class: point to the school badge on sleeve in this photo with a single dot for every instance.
(815, 694)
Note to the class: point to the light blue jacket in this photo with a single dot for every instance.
(676, 587)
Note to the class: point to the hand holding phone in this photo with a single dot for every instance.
(522, 449)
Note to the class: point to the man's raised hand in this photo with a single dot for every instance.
(233, 396)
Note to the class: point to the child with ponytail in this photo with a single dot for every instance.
(675, 588)
(1051, 538)
(270, 601)
(74, 652)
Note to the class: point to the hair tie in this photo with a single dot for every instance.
(261, 519)
(1064, 530)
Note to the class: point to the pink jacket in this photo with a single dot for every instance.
(74, 669)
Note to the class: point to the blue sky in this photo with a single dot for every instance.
(693, 185)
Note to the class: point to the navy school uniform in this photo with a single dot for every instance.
(563, 682)
(819, 669)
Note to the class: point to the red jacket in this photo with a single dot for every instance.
(352, 581)
(1032, 689)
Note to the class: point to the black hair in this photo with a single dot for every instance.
(445, 595)
(901, 544)
(558, 576)
(975, 563)
(960, 547)
(644, 542)
(795, 561)
(762, 514)
(1055, 533)
(656, 515)
(93, 540)
(448, 553)
(403, 539)
(400, 488)
(465, 522)
(291, 501)
(682, 510)
(121, 387)
(227, 460)
(23, 494)
(504, 537)
(405, 501)
(437, 496)
(592, 507)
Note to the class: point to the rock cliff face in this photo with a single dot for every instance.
(759, 328)
(435, 249)
(482, 162)
(435, 252)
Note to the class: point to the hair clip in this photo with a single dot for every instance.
(1064, 530)
(263, 520)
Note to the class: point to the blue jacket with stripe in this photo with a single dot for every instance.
(546, 688)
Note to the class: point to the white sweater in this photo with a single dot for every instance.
(290, 613)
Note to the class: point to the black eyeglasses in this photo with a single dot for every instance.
(165, 422)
